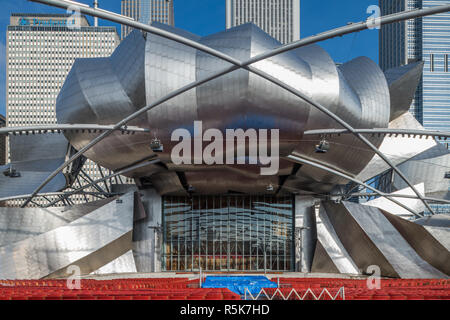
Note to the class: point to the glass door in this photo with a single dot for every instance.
(228, 233)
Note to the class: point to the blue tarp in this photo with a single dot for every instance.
(238, 284)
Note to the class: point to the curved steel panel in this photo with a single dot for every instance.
(392, 208)
(21, 223)
(371, 239)
(34, 157)
(397, 149)
(123, 264)
(332, 246)
(429, 167)
(356, 91)
(105, 90)
(403, 82)
(426, 241)
(90, 242)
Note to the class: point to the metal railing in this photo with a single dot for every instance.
(295, 295)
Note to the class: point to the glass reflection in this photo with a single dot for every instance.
(228, 233)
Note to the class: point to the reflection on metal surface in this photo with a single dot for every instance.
(225, 233)
(371, 239)
(21, 223)
(89, 242)
(123, 264)
(332, 247)
(403, 82)
(241, 91)
(398, 149)
(394, 209)
(431, 243)
(34, 158)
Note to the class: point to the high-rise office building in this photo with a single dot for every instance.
(279, 18)
(40, 52)
(146, 11)
(426, 39)
(2, 141)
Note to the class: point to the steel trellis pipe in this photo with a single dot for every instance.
(298, 159)
(323, 36)
(105, 178)
(124, 20)
(396, 132)
(405, 196)
(69, 127)
(337, 32)
(53, 194)
(124, 122)
(345, 125)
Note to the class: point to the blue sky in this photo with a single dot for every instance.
(204, 17)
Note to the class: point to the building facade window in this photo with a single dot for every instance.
(446, 62)
(432, 62)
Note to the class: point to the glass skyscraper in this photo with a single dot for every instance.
(436, 79)
(426, 39)
(146, 11)
(279, 18)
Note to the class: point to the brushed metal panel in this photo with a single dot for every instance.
(424, 242)
(397, 251)
(34, 157)
(28, 182)
(429, 168)
(330, 244)
(398, 149)
(439, 220)
(105, 90)
(123, 264)
(27, 148)
(442, 235)
(17, 224)
(91, 242)
(403, 82)
(322, 262)
(358, 244)
(168, 183)
(146, 67)
(99, 258)
(414, 204)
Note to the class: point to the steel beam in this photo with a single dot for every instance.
(59, 194)
(103, 176)
(69, 127)
(384, 132)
